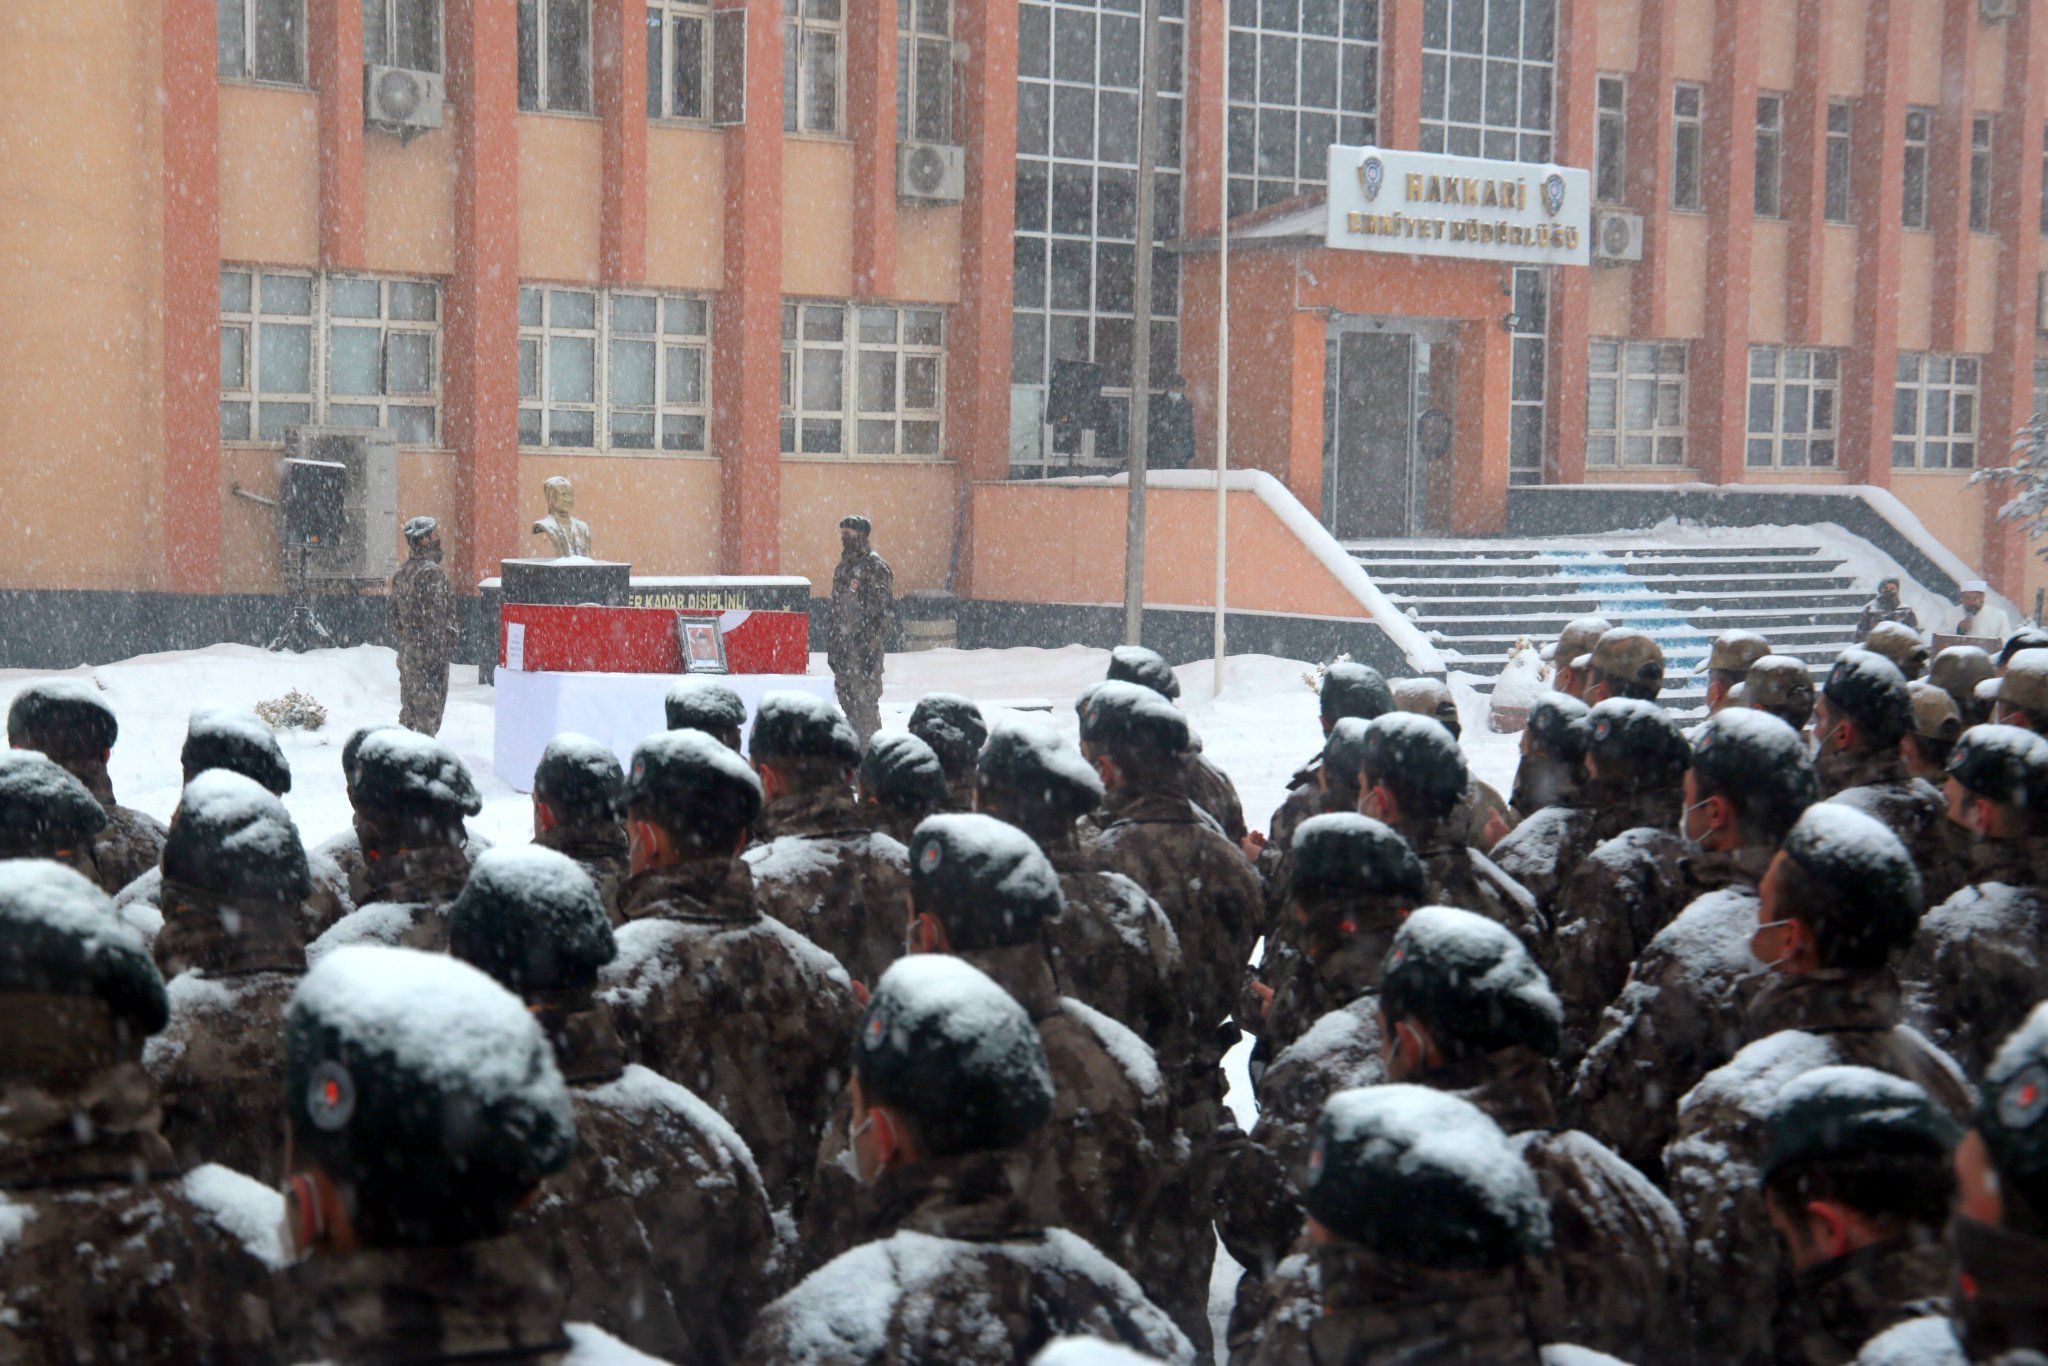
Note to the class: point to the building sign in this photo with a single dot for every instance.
(1429, 204)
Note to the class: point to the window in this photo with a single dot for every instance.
(896, 360)
(1980, 173)
(924, 70)
(403, 33)
(1794, 396)
(1487, 72)
(1075, 237)
(811, 65)
(1302, 76)
(1934, 412)
(1913, 209)
(1770, 142)
(1635, 403)
(2040, 386)
(2044, 180)
(1686, 134)
(261, 40)
(333, 350)
(1835, 207)
(1610, 142)
(696, 62)
(614, 370)
(1529, 372)
(554, 55)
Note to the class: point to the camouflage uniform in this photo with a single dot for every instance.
(1800, 1022)
(661, 1216)
(823, 872)
(110, 1256)
(329, 902)
(958, 1271)
(422, 605)
(599, 848)
(1304, 799)
(1542, 852)
(1306, 989)
(131, 843)
(1978, 964)
(1113, 948)
(857, 636)
(1459, 875)
(216, 1065)
(361, 874)
(1912, 808)
(1477, 810)
(1210, 788)
(718, 998)
(1838, 1305)
(1678, 1017)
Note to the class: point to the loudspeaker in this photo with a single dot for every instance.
(1074, 398)
(311, 495)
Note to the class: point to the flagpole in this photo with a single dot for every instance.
(1223, 366)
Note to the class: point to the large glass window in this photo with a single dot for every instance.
(1610, 142)
(1919, 129)
(1529, 373)
(873, 373)
(1077, 209)
(1303, 74)
(1688, 131)
(678, 60)
(1934, 412)
(1635, 403)
(403, 33)
(1840, 118)
(333, 350)
(614, 370)
(554, 55)
(924, 70)
(1794, 406)
(1487, 71)
(1770, 145)
(813, 64)
(1980, 173)
(261, 40)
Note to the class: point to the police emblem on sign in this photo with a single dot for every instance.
(1553, 194)
(1372, 173)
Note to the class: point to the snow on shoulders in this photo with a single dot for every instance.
(640, 1088)
(245, 1207)
(2029, 1040)
(1536, 843)
(1916, 1342)
(142, 891)
(380, 922)
(1630, 849)
(61, 898)
(1132, 1053)
(1348, 1030)
(1752, 1080)
(1983, 909)
(793, 858)
(590, 1345)
(1564, 1354)
(14, 1217)
(1710, 937)
(145, 918)
(1087, 1352)
(818, 965)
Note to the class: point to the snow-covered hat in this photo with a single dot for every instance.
(1848, 1114)
(240, 741)
(580, 776)
(1471, 982)
(59, 936)
(1973, 586)
(232, 837)
(1032, 764)
(1344, 856)
(404, 773)
(43, 809)
(419, 528)
(2004, 764)
(1354, 689)
(1148, 668)
(798, 725)
(693, 784)
(984, 880)
(902, 772)
(1735, 651)
(64, 718)
(1868, 897)
(532, 919)
(1126, 716)
(953, 726)
(708, 705)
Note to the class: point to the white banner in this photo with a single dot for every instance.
(1431, 204)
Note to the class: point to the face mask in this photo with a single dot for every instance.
(1684, 817)
(1771, 964)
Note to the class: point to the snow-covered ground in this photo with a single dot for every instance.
(1260, 727)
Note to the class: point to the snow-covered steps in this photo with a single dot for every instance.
(1477, 598)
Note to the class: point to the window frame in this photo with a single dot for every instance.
(1268, 59)
(1839, 142)
(245, 71)
(910, 74)
(1916, 160)
(1925, 383)
(1610, 139)
(1443, 60)
(540, 11)
(798, 27)
(388, 23)
(1688, 131)
(664, 21)
(1772, 440)
(605, 333)
(1528, 374)
(1660, 436)
(853, 418)
(1768, 200)
(1983, 138)
(321, 321)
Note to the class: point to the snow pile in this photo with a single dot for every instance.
(1523, 679)
(245, 1207)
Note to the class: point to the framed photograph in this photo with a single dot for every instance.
(703, 646)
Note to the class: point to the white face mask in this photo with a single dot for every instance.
(1767, 965)
(1685, 816)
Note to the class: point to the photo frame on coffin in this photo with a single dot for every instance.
(703, 645)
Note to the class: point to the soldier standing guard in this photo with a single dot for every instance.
(423, 628)
(863, 609)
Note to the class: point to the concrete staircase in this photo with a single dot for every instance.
(1476, 598)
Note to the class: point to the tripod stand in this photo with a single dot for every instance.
(302, 629)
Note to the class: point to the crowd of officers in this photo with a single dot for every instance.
(1717, 1046)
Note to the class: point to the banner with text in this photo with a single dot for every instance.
(1431, 204)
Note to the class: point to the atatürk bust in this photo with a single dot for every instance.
(570, 535)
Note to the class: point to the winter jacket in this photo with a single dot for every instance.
(863, 614)
(110, 1255)
(1879, 610)
(328, 903)
(2000, 1303)
(661, 1218)
(1626, 890)
(1342, 1305)
(422, 608)
(1458, 875)
(824, 873)
(1979, 961)
(358, 872)
(131, 842)
(1543, 851)
(1912, 808)
(599, 849)
(1210, 788)
(1477, 810)
(498, 1299)
(1800, 1022)
(1307, 988)
(1678, 1017)
(218, 1065)
(743, 1011)
(958, 1271)
(1838, 1305)
(1114, 948)
(1543, 781)
(1305, 798)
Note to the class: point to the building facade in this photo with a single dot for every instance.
(739, 267)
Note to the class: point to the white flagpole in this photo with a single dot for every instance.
(1223, 360)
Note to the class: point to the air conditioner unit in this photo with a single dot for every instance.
(367, 548)
(1997, 11)
(401, 100)
(1617, 236)
(931, 171)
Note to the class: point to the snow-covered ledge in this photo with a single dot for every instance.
(1297, 522)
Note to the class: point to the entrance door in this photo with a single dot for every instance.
(1370, 448)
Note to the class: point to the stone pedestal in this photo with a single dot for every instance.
(553, 583)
